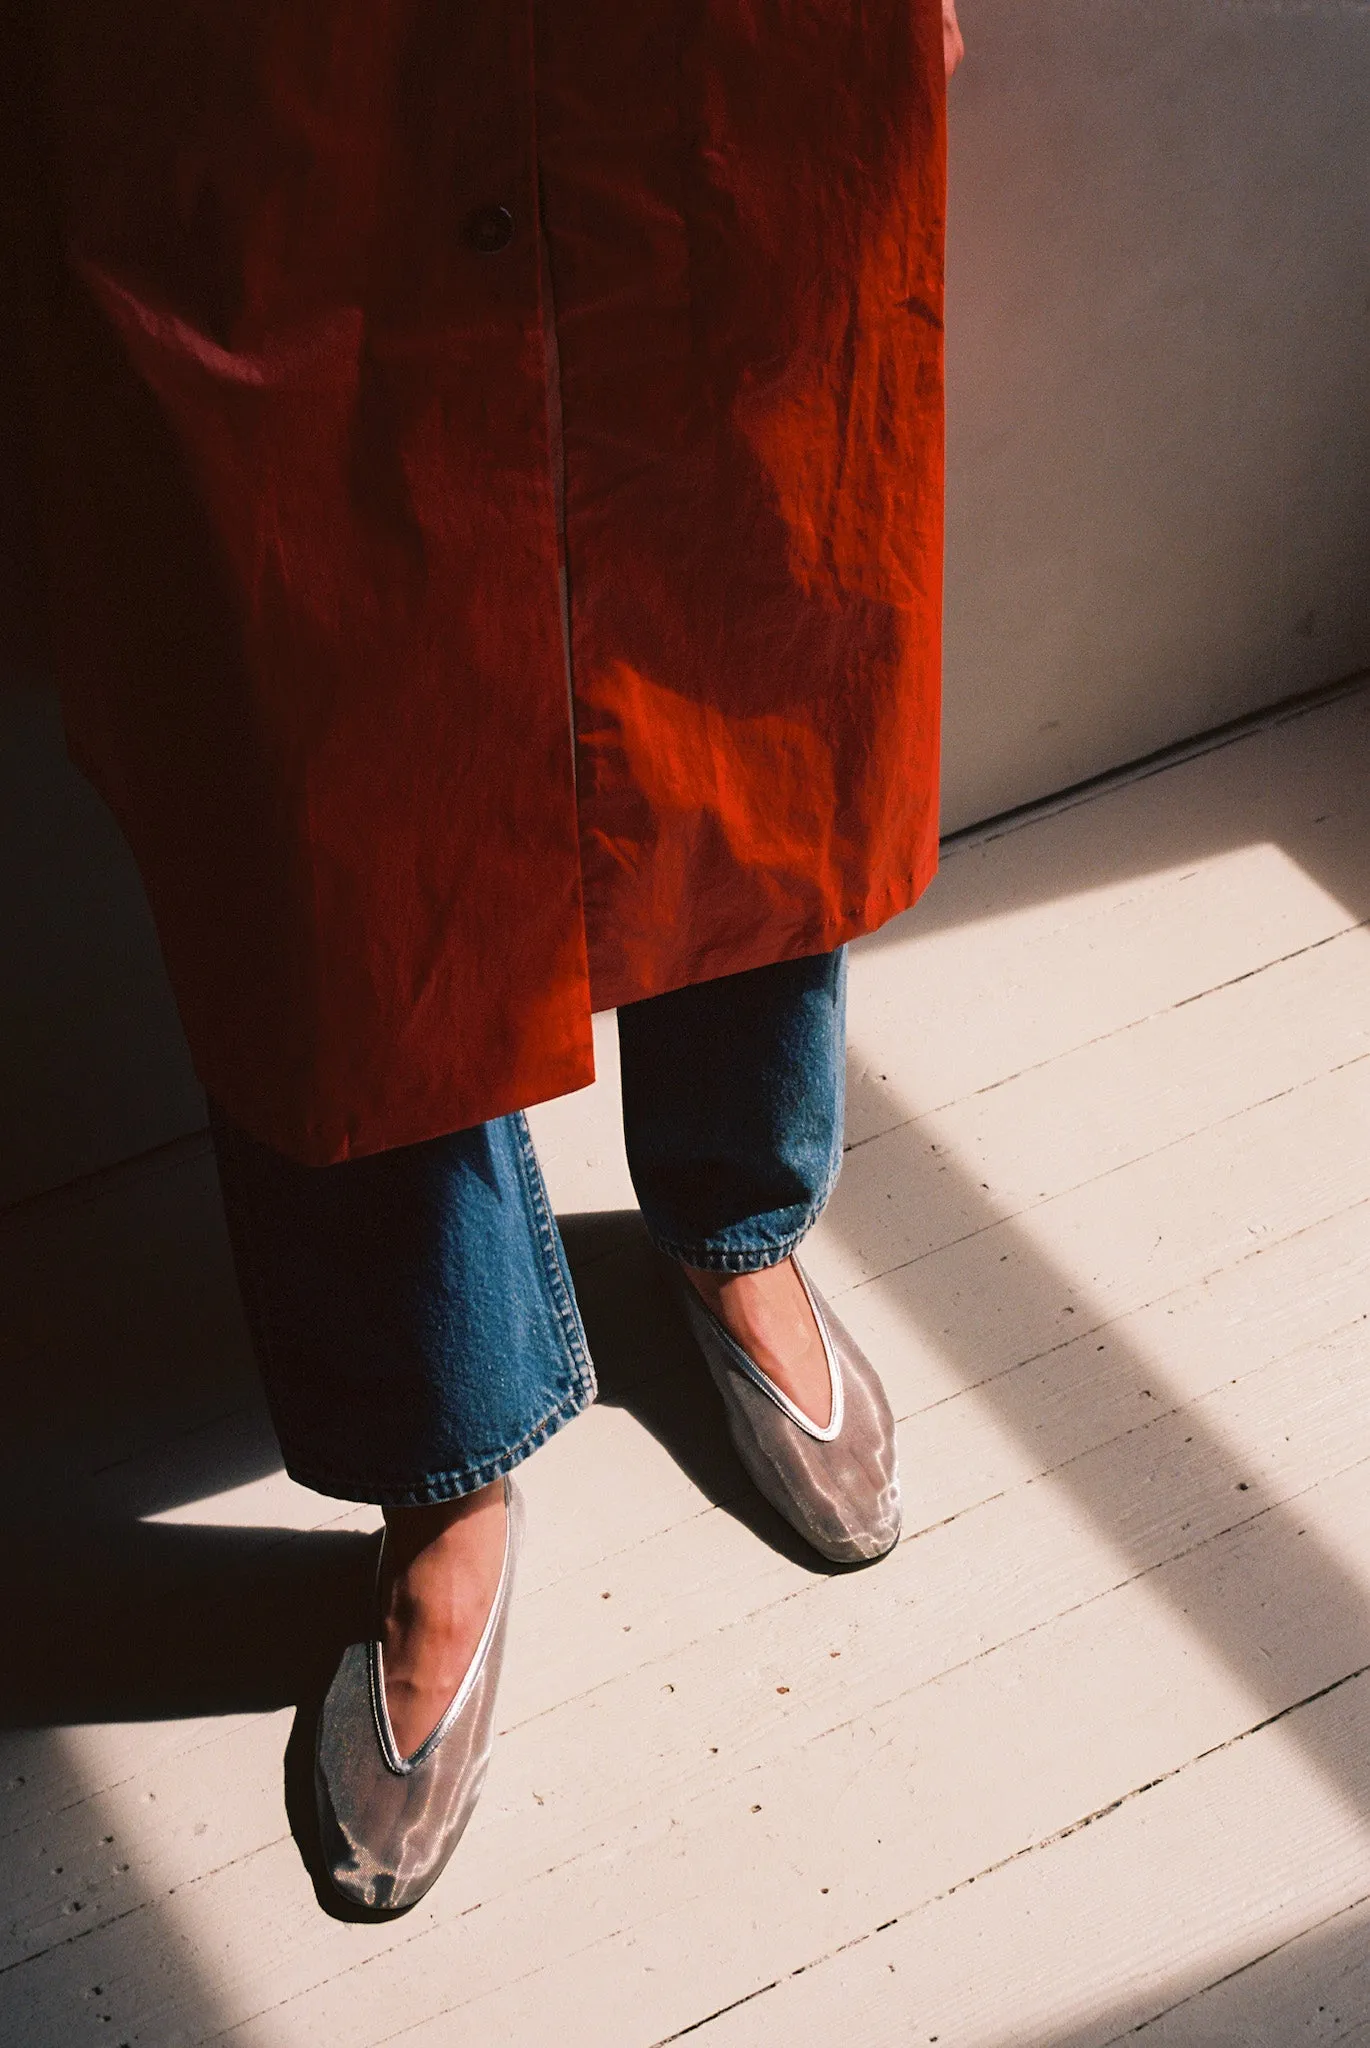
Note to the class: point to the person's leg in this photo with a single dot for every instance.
(733, 1094)
(418, 1337)
(732, 1102)
(439, 1575)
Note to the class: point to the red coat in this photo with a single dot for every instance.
(312, 263)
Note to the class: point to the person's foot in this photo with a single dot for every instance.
(440, 1571)
(768, 1314)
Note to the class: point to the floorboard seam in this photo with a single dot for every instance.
(1104, 1037)
(1109, 1172)
(90, 1187)
(1123, 1315)
(1230, 1976)
(1031, 1849)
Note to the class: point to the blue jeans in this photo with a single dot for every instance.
(412, 1312)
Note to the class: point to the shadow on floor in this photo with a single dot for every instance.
(1303, 1993)
(1270, 784)
(647, 1364)
(144, 1623)
(129, 1395)
(135, 1341)
(993, 1306)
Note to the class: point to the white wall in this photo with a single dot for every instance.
(1159, 496)
(1159, 381)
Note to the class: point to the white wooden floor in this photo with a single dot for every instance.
(1088, 1756)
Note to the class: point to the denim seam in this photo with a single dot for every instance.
(440, 1486)
(558, 1281)
(450, 1484)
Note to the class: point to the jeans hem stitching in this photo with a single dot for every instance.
(558, 1280)
(439, 1486)
(753, 1258)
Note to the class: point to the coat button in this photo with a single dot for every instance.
(490, 229)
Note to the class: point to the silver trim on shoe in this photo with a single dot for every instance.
(754, 1372)
(389, 1824)
(837, 1485)
(385, 1734)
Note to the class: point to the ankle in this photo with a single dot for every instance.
(425, 1546)
(768, 1313)
(718, 1288)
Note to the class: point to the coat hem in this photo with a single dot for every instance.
(616, 991)
(308, 1145)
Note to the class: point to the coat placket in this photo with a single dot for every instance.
(307, 556)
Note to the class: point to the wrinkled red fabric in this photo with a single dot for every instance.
(317, 269)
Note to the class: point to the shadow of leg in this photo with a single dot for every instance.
(146, 1622)
(1093, 1417)
(648, 1365)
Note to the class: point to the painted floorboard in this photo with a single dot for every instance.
(1088, 1754)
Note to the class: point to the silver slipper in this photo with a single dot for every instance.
(838, 1486)
(389, 1823)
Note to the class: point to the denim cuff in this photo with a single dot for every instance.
(436, 1487)
(744, 1248)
